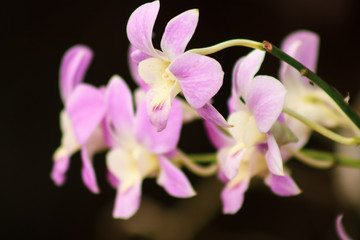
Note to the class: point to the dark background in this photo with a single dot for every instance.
(34, 37)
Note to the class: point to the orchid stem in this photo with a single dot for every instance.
(322, 130)
(276, 52)
(195, 168)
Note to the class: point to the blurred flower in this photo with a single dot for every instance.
(81, 118)
(139, 151)
(340, 229)
(171, 71)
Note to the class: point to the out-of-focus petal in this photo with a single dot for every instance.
(88, 172)
(218, 138)
(209, 113)
(158, 142)
(235, 104)
(174, 180)
(282, 185)
(245, 70)
(265, 100)
(233, 197)
(135, 57)
(200, 77)
(86, 108)
(140, 27)
(120, 106)
(58, 172)
(178, 33)
(74, 64)
(232, 163)
(113, 181)
(273, 156)
(340, 229)
(127, 202)
(189, 113)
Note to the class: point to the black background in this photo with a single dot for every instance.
(34, 37)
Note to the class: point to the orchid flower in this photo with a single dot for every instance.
(302, 96)
(140, 151)
(171, 71)
(80, 120)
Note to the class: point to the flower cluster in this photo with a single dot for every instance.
(269, 120)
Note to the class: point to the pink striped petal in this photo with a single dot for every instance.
(88, 172)
(140, 27)
(273, 156)
(127, 203)
(120, 106)
(58, 172)
(158, 142)
(218, 138)
(200, 77)
(86, 108)
(74, 64)
(178, 33)
(265, 100)
(174, 180)
(233, 197)
(209, 113)
(244, 71)
(282, 185)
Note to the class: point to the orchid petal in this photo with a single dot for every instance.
(120, 106)
(127, 203)
(178, 33)
(209, 113)
(88, 172)
(158, 142)
(340, 229)
(235, 104)
(113, 181)
(245, 70)
(282, 185)
(86, 108)
(233, 197)
(140, 27)
(58, 172)
(232, 163)
(200, 77)
(218, 138)
(265, 99)
(174, 180)
(74, 64)
(135, 57)
(273, 156)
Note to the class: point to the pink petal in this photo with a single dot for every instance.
(158, 142)
(174, 180)
(209, 113)
(244, 71)
(218, 138)
(273, 156)
(282, 185)
(120, 106)
(178, 33)
(232, 163)
(113, 181)
(200, 77)
(86, 108)
(235, 104)
(265, 100)
(88, 172)
(340, 228)
(233, 197)
(58, 172)
(74, 64)
(128, 202)
(135, 57)
(140, 27)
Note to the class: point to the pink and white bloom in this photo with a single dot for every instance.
(139, 151)
(171, 71)
(251, 149)
(81, 118)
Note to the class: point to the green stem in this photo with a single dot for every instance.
(275, 51)
(322, 130)
(195, 168)
(203, 158)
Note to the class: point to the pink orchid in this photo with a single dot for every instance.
(139, 151)
(251, 149)
(171, 71)
(81, 118)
